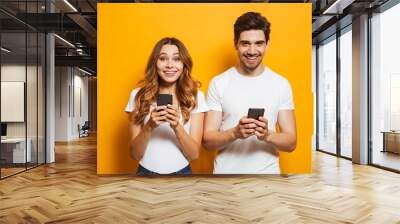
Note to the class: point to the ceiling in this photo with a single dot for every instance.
(76, 22)
(72, 20)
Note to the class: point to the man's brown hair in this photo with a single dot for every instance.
(251, 21)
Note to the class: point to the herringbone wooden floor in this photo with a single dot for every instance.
(69, 191)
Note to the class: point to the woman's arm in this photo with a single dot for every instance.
(140, 134)
(190, 143)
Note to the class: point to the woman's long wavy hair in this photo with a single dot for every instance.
(186, 87)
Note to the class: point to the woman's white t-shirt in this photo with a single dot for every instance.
(163, 154)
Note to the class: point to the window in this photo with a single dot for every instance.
(327, 96)
(385, 88)
(22, 65)
(346, 93)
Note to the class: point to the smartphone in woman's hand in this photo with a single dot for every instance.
(164, 99)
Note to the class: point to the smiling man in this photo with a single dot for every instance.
(247, 145)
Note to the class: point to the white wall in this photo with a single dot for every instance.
(61, 103)
(81, 96)
(50, 94)
(360, 89)
(71, 94)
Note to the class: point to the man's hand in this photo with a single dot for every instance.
(261, 130)
(245, 128)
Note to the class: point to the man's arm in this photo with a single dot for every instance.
(286, 139)
(213, 139)
(217, 140)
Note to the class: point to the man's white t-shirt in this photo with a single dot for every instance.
(233, 94)
(163, 154)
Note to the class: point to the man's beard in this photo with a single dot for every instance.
(251, 67)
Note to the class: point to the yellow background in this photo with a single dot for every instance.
(128, 32)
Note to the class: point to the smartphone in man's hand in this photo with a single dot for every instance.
(255, 113)
(164, 99)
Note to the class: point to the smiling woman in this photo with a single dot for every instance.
(165, 137)
(169, 64)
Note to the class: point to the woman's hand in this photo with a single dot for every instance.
(172, 116)
(157, 116)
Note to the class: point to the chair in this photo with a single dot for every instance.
(84, 130)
